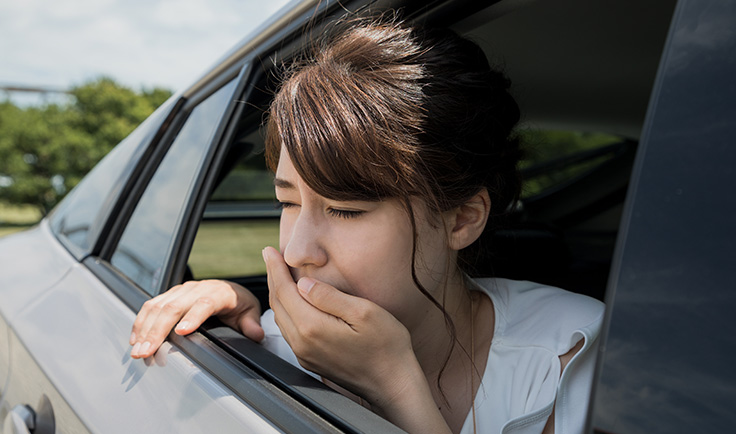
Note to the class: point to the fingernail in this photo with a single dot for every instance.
(265, 257)
(145, 347)
(132, 338)
(183, 325)
(306, 284)
(136, 348)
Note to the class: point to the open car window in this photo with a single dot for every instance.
(240, 217)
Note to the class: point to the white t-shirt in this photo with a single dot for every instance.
(534, 325)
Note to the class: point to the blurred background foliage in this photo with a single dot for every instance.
(543, 147)
(46, 150)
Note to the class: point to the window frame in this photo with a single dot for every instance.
(139, 180)
(204, 183)
(188, 115)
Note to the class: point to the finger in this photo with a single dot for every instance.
(144, 317)
(281, 315)
(278, 275)
(162, 317)
(203, 308)
(284, 297)
(331, 300)
(282, 289)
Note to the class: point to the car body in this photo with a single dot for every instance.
(646, 225)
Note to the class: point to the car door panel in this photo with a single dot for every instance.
(78, 332)
(21, 280)
(29, 386)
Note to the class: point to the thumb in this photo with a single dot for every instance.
(250, 326)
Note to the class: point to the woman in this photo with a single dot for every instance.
(393, 153)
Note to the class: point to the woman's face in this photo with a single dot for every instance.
(361, 248)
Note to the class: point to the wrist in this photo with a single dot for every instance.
(409, 403)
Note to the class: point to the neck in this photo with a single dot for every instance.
(432, 339)
(461, 374)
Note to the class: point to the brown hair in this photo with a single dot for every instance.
(382, 110)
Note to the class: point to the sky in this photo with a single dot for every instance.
(138, 43)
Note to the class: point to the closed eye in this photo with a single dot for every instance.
(284, 205)
(343, 213)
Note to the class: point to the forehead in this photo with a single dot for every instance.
(285, 168)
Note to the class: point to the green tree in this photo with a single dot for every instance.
(47, 150)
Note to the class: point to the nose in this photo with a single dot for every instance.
(304, 245)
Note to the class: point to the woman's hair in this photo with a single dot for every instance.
(383, 110)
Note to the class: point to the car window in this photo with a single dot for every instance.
(75, 219)
(553, 158)
(241, 217)
(144, 247)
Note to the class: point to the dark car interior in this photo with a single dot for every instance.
(582, 75)
(577, 69)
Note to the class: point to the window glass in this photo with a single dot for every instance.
(667, 362)
(74, 218)
(241, 217)
(552, 158)
(144, 247)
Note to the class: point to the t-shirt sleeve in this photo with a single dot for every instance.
(576, 381)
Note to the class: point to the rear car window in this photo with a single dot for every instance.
(143, 249)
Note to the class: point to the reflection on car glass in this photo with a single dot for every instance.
(142, 251)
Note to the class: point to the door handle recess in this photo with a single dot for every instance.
(20, 420)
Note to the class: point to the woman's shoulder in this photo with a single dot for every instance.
(530, 313)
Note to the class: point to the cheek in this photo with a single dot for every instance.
(375, 264)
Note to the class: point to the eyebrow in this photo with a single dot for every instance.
(282, 183)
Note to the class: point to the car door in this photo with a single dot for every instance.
(667, 362)
(36, 260)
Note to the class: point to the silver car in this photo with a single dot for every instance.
(630, 110)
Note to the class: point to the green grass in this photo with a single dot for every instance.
(224, 249)
(18, 214)
(15, 218)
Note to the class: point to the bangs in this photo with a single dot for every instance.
(350, 132)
